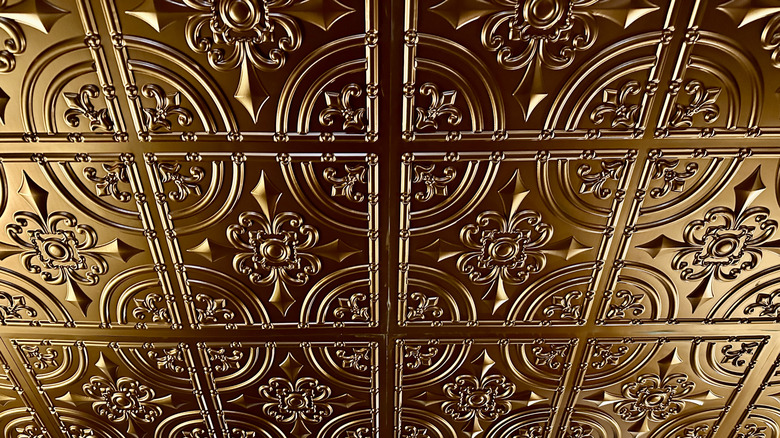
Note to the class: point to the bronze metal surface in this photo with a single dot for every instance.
(389, 218)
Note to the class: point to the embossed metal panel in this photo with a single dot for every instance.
(396, 218)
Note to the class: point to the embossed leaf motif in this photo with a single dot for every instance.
(43, 360)
(424, 305)
(171, 359)
(567, 306)
(442, 104)
(222, 360)
(108, 185)
(351, 306)
(211, 310)
(166, 105)
(150, 306)
(417, 356)
(611, 170)
(185, 184)
(629, 302)
(434, 185)
(80, 104)
(547, 355)
(345, 185)
(616, 103)
(354, 359)
(607, 354)
(673, 181)
(765, 302)
(59, 249)
(339, 105)
(415, 432)
(734, 355)
(13, 306)
(702, 101)
(30, 431)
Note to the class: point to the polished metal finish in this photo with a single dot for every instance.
(395, 218)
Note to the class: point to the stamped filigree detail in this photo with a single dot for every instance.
(351, 306)
(424, 305)
(765, 302)
(566, 306)
(43, 360)
(355, 359)
(152, 306)
(702, 101)
(344, 186)
(442, 104)
(536, 35)
(166, 105)
(654, 398)
(185, 184)
(673, 181)
(501, 249)
(624, 114)
(734, 355)
(418, 356)
(171, 359)
(339, 105)
(12, 307)
(80, 105)
(606, 356)
(224, 361)
(434, 185)
(249, 36)
(630, 302)
(611, 170)
(59, 249)
(549, 356)
(210, 310)
(108, 185)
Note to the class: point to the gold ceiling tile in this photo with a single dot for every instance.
(505, 238)
(722, 81)
(248, 69)
(54, 78)
(672, 387)
(478, 388)
(116, 389)
(702, 243)
(495, 69)
(75, 250)
(264, 240)
(297, 389)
